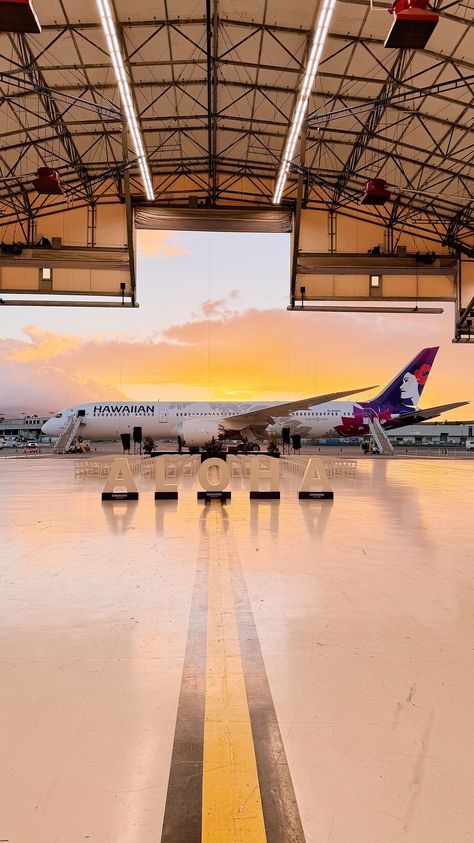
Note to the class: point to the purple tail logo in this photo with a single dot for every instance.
(404, 391)
(400, 397)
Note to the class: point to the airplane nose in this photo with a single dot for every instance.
(46, 428)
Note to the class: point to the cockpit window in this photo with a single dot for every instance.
(59, 416)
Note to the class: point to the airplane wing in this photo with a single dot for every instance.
(422, 415)
(267, 415)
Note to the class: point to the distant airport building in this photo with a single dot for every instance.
(26, 427)
(427, 433)
(433, 433)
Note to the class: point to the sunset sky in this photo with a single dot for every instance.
(213, 324)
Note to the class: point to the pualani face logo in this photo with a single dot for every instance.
(411, 383)
(124, 410)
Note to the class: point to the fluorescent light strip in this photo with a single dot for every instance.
(319, 38)
(108, 25)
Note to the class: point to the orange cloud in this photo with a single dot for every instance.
(153, 243)
(224, 354)
(44, 345)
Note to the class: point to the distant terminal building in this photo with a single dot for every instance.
(440, 433)
(26, 427)
(433, 433)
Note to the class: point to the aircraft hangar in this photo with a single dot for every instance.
(272, 656)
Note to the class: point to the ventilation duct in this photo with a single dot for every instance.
(18, 16)
(412, 26)
(376, 193)
(48, 181)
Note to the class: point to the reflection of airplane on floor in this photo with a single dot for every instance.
(197, 423)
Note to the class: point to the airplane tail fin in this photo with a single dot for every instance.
(404, 391)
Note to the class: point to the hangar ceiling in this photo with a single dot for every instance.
(215, 84)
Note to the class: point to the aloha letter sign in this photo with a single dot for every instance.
(214, 477)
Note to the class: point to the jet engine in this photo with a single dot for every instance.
(196, 433)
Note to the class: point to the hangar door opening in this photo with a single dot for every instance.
(218, 280)
(238, 252)
(214, 299)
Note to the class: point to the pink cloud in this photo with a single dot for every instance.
(219, 308)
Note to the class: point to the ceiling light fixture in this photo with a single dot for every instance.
(319, 38)
(110, 32)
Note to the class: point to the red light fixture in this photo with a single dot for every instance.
(412, 26)
(18, 16)
(376, 193)
(48, 181)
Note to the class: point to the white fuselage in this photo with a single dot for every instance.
(166, 420)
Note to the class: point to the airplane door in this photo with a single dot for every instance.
(163, 416)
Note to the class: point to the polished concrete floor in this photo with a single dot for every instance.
(344, 631)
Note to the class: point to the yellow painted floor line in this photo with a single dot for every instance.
(231, 802)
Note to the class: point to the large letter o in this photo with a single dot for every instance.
(208, 483)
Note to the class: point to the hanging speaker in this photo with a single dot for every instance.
(296, 442)
(285, 432)
(137, 435)
(125, 437)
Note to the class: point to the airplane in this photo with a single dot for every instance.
(196, 424)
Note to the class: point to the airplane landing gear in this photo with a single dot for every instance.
(246, 446)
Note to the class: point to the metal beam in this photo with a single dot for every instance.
(59, 94)
(330, 308)
(129, 213)
(209, 85)
(378, 109)
(25, 54)
(56, 303)
(315, 263)
(318, 117)
(215, 94)
(299, 201)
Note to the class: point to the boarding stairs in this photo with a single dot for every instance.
(379, 436)
(68, 435)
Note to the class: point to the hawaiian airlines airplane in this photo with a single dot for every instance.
(195, 424)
